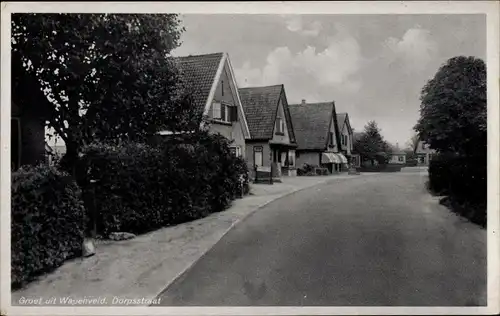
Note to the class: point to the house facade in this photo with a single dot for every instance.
(346, 136)
(398, 158)
(271, 146)
(216, 93)
(423, 153)
(319, 141)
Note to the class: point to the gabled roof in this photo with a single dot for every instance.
(199, 73)
(343, 119)
(261, 107)
(311, 122)
(202, 73)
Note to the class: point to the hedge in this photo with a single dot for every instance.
(464, 180)
(144, 187)
(381, 168)
(46, 222)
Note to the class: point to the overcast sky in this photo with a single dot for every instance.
(372, 66)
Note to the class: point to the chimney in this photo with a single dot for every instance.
(303, 101)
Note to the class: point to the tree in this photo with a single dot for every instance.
(453, 108)
(371, 145)
(108, 77)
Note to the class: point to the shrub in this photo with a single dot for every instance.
(46, 223)
(381, 168)
(306, 169)
(411, 162)
(321, 171)
(142, 187)
(464, 181)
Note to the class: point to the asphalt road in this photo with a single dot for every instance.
(377, 240)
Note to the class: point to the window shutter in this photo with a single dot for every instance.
(234, 113)
(223, 112)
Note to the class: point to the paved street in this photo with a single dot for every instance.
(371, 240)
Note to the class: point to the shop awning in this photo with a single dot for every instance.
(342, 158)
(330, 158)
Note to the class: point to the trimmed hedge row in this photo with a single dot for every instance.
(464, 181)
(46, 222)
(381, 168)
(142, 187)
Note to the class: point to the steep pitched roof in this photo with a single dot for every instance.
(260, 104)
(311, 122)
(341, 120)
(199, 73)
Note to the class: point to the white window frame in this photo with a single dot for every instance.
(280, 125)
(401, 159)
(217, 115)
(227, 113)
(217, 111)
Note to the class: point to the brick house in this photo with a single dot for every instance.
(217, 95)
(272, 139)
(318, 136)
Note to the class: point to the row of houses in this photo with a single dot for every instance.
(268, 132)
(264, 129)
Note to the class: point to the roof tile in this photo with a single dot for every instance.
(260, 105)
(311, 122)
(198, 73)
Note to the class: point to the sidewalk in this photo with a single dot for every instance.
(142, 267)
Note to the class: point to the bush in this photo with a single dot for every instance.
(306, 169)
(321, 171)
(464, 181)
(411, 162)
(380, 168)
(46, 223)
(140, 187)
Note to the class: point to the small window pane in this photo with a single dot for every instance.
(216, 111)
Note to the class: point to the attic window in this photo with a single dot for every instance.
(224, 112)
(280, 126)
(217, 111)
(222, 87)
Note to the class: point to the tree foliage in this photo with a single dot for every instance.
(107, 77)
(371, 145)
(453, 107)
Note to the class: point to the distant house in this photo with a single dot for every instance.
(398, 158)
(346, 136)
(423, 153)
(27, 123)
(272, 139)
(319, 140)
(217, 96)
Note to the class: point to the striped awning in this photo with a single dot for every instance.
(334, 158)
(330, 158)
(342, 157)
